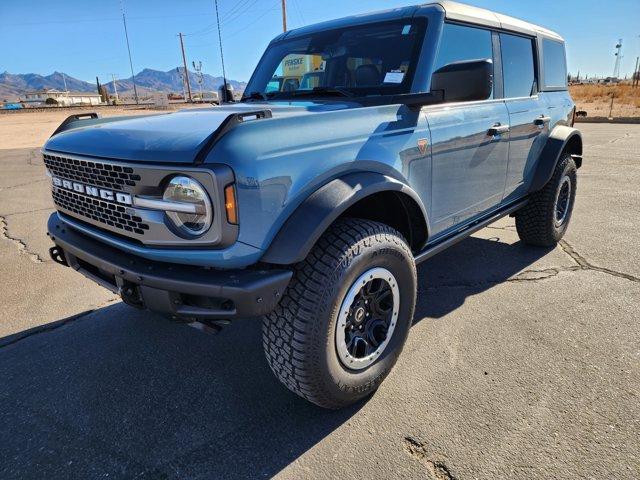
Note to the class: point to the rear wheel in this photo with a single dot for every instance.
(345, 317)
(545, 219)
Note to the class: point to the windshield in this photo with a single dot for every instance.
(374, 59)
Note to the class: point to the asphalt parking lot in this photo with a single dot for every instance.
(523, 363)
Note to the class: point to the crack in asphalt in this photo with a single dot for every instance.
(22, 246)
(506, 229)
(532, 275)
(23, 184)
(584, 264)
(624, 137)
(437, 469)
(28, 211)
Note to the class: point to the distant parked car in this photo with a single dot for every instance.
(11, 106)
(311, 80)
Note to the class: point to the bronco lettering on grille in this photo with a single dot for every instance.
(103, 193)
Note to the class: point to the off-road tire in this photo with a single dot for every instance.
(299, 335)
(536, 221)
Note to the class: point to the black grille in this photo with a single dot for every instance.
(98, 174)
(99, 210)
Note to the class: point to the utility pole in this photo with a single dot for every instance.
(636, 73)
(284, 15)
(186, 72)
(115, 89)
(126, 36)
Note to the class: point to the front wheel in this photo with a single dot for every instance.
(345, 317)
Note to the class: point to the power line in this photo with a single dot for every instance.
(297, 7)
(250, 24)
(231, 17)
(259, 17)
(233, 14)
(237, 9)
(106, 19)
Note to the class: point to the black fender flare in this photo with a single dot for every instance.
(560, 139)
(313, 216)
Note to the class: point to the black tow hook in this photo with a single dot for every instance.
(209, 326)
(130, 295)
(57, 255)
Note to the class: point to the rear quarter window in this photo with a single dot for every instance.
(555, 64)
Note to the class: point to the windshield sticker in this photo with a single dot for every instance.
(394, 76)
(406, 29)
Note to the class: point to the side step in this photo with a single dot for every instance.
(472, 228)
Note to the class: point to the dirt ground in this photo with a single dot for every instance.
(596, 100)
(522, 363)
(31, 129)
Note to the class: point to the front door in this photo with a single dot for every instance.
(470, 149)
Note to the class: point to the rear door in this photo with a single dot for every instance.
(469, 156)
(528, 113)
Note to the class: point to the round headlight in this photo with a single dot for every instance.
(186, 190)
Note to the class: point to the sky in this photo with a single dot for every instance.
(85, 38)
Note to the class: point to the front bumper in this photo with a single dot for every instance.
(181, 291)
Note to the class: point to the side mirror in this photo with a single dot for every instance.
(464, 81)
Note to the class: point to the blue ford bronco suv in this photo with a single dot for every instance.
(361, 147)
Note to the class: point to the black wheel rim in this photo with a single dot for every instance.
(367, 318)
(563, 201)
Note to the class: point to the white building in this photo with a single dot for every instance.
(63, 98)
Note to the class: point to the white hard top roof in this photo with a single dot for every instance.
(467, 13)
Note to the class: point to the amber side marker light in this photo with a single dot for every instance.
(230, 204)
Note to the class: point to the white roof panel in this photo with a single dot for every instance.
(467, 13)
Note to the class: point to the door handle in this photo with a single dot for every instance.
(498, 129)
(541, 121)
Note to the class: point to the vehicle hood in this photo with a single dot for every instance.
(165, 138)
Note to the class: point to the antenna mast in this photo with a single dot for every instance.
(126, 35)
(224, 74)
(197, 67)
(618, 54)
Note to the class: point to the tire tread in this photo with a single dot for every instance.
(288, 331)
(534, 221)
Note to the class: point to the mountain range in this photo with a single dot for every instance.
(13, 86)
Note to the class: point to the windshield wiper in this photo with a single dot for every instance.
(329, 91)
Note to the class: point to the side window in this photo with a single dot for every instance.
(518, 67)
(460, 43)
(555, 64)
